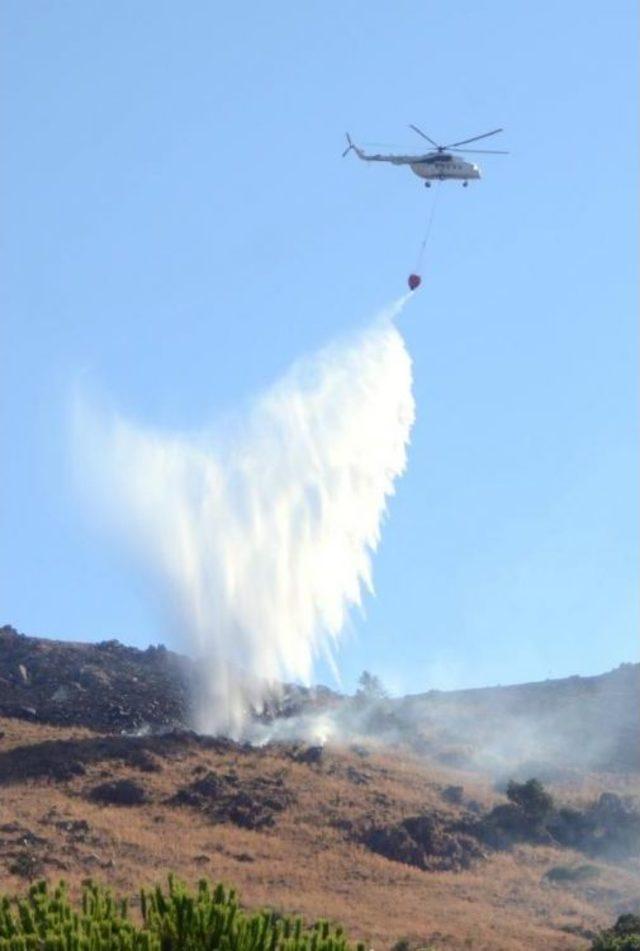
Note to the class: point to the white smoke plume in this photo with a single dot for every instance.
(261, 531)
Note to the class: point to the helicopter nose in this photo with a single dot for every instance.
(476, 169)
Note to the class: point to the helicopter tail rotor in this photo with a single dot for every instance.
(349, 146)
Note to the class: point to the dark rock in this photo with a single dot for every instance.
(253, 806)
(65, 771)
(310, 755)
(144, 761)
(30, 838)
(28, 865)
(121, 792)
(357, 777)
(77, 828)
(453, 794)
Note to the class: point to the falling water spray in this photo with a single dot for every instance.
(261, 533)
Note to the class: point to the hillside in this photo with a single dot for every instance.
(321, 834)
(107, 686)
(394, 841)
(577, 722)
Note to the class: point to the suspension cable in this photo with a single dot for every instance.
(427, 233)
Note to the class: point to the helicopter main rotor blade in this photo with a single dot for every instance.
(474, 139)
(480, 151)
(424, 136)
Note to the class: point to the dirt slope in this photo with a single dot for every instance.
(292, 828)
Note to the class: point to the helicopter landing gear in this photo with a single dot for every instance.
(465, 184)
(427, 184)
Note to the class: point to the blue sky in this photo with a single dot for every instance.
(179, 226)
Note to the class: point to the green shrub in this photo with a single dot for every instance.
(624, 936)
(177, 919)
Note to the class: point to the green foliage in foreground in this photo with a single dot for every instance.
(624, 936)
(173, 920)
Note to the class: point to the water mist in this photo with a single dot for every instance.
(260, 533)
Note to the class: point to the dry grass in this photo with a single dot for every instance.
(305, 863)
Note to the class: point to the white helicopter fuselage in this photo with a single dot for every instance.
(441, 166)
(442, 163)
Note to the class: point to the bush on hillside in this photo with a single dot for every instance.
(522, 819)
(572, 874)
(532, 799)
(624, 936)
(370, 687)
(610, 826)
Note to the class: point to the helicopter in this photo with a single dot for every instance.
(437, 165)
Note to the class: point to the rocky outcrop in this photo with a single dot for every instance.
(106, 686)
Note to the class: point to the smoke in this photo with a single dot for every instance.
(260, 531)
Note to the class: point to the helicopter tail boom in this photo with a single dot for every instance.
(394, 159)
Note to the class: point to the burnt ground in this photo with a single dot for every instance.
(65, 757)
